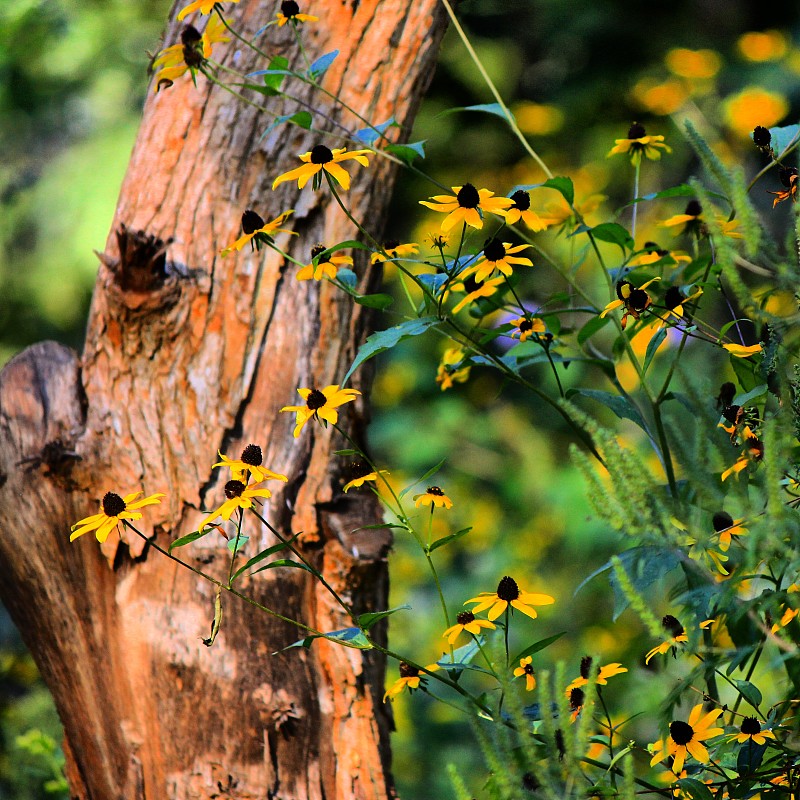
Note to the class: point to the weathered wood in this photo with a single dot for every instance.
(186, 354)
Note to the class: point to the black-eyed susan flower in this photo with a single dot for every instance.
(410, 679)
(753, 453)
(258, 232)
(639, 144)
(322, 159)
(576, 697)
(652, 254)
(685, 738)
(788, 176)
(527, 326)
(321, 404)
(434, 497)
(673, 303)
(290, 12)
(362, 472)
(559, 213)
(526, 668)
(677, 636)
(203, 6)
(762, 139)
(634, 298)
(475, 289)
(520, 209)
(448, 371)
(113, 510)
(465, 205)
(726, 527)
(250, 463)
(751, 731)
(188, 56)
(237, 495)
(326, 267)
(509, 594)
(393, 250)
(498, 256)
(742, 350)
(688, 222)
(787, 616)
(606, 672)
(467, 621)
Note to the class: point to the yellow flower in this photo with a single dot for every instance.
(526, 669)
(321, 404)
(635, 299)
(754, 106)
(475, 289)
(653, 254)
(726, 527)
(509, 594)
(249, 464)
(753, 452)
(673, 302)
(559, 212)
(203, 6)
(497, 256)
(466, 621)
(237, 495)
(322, 159)
(290, 12)
(113, 510)
(788, 177)
(393, 250)
(751, 732)
(742, 350)
(446, 376)
(606, 672)
(527, 326)
(188, 56)
(258, 232)
(677, 637)
(638, 144)
(361, 473)
(410, 678)
(763, 45)
(465, 206)
(660, 97)
(433, 497)
(693, 64)
(324, 268)
(521, 210)
(686, 737)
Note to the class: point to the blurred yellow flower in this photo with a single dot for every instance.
(538, 119)
(754, 106)
(660, 97)
(693, 64)
(763, 45)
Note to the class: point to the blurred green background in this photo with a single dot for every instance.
(576, 75)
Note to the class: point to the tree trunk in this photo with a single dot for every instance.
(186, 354)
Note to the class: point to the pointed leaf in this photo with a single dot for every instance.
(303, 119)
(428, 474)
(321, 65)
(614, 233)
(237, 543)
(366, 621)
(487, 108)
(652, 346)
(379, 301)
(592, 327)
(285, 562)
(536, 647)
(447, 539)
(783, 136)
(407, 152)
(190, 537)
(371, 135)
(621, 406)
(276, 548)
(562, 184)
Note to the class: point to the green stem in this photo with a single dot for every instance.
(635, 195)
(236, 545)
(349, 215)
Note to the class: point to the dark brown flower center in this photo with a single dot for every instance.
(507, 589)
(521, 200)
(316, 399)
(671, 624)
(234, 489)
(638, 300)
(732, 413)
(113, 504)
(494, 250)
(681, 732)
(586, 667)
(289, 8)
(390, 244)
(528, 669)
(407, 671)
(321, 154)
(721, 520)
(788, 176)
(755, 448)
(468, 196)
(435, 491)
(525, 325)
(636, 131)
(529, 782)
(192, 47)
(693, 208)
(673, 298)
(252, 455)
(190, 36)
(359, 469)
(726, 394)
(465, 617)
(251, 222)
(576, 697)
(317, 249)
(761, 136)
(471, 285)
(751, 726)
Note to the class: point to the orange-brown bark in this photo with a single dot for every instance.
(186, 354)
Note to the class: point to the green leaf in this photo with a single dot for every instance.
(652, 346)
(366, 621)
(274, 76)
(749, 758)
(320, 66)
(385, 340)
(536, 647)
(285, 562)
(379, 301)
(614, 233)
(487, 108)
(428, 474)
(303, 119)
(237, 543)
(757, 391)
(217, 618)
(591, 328)
(191, 537)
(276, 548)
(349, 637)
(695, 789)
(750, 692)
(621, 406)
(446, 539)
(783, 136)
(371, 135)
(562, 184)
(745, 371)
(407, 152)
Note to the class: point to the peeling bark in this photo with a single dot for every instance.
(188, 354)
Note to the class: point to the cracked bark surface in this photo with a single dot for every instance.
(188, 354)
